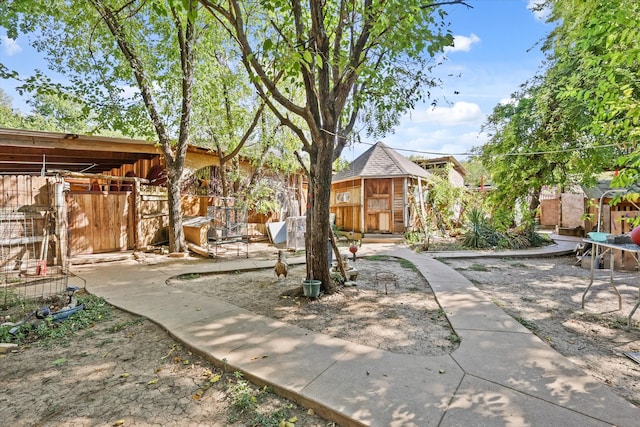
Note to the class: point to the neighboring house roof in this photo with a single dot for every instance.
(603, 187)
(380, 161)
(442, 161)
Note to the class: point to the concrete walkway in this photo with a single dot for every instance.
(501, 374)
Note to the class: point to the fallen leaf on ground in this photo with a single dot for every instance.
(264, 356)
(59, 362)
(198, 394)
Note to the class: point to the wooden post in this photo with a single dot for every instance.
(61, 223)
(392, 220)
(137, 215)
(363, 208)
(405, 203)
(337, 252)
(423, 215)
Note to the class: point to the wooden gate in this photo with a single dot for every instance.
(100, 222)
(107, 221)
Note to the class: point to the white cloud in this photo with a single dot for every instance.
(129, 92)
(462, 43)
(9, 46)
(507, 101)
(432, 141)
(542, 14)
(460, 113)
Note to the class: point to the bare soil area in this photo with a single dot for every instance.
(126, 371)
(391, 307)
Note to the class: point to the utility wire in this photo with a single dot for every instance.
(531, 153)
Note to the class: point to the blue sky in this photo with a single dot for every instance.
(495, 52)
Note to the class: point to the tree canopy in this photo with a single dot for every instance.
(531, 144)
(595, 44)
(341, 55)
(580, 116)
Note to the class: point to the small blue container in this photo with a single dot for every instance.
(598, 236)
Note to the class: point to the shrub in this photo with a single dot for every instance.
(482, 234)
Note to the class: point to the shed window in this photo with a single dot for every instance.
(343, 197)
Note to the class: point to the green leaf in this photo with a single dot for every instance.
(59, 362)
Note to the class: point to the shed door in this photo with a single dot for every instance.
(378, 205)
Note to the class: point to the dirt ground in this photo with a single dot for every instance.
(128, 371)
(391, 308)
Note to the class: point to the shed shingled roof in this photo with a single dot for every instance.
(380, 161)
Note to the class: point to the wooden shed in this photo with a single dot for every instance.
(378, 192)
(108, 204)
(112, 196)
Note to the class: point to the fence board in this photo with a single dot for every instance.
(622, 259)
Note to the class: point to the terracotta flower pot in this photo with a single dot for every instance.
(635, 235)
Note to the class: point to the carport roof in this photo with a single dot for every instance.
(603, 188)
(26, 152)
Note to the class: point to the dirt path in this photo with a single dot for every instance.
(545, 295)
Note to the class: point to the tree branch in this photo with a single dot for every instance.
(247, 133)
(234, 17)
(302, 165)
(138, 70)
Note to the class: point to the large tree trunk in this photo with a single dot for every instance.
(534, 202)
(317, 241)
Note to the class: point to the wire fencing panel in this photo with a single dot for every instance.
(33, 237)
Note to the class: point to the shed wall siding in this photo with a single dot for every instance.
(398, 206)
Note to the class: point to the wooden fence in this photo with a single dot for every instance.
(91, 222)
(105, 221)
